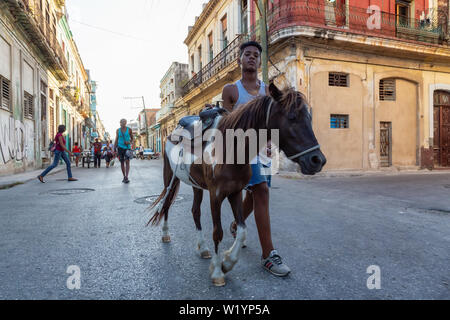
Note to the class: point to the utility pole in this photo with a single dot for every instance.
(146, 124)
(262, 8)
(145, 116)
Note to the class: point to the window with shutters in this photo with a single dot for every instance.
(200, 58)
(211, 47)
(5, 94)
(337, 79)
(339, 121)
(43, 101)
(28, 105)
(387, 90)
(224, 32)
(244, 16)
(52, 122)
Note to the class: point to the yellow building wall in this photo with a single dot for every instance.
(359, 146)
(402, 113)
(342, 147)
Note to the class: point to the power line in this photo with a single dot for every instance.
(111, 31)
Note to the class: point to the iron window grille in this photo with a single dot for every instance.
(387, 90)
(337, 79)
(5, 96)
(339, 121)
(28, 105)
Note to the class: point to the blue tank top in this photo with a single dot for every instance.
(244, 96)
(124, 137)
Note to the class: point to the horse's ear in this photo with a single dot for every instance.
(275, 92)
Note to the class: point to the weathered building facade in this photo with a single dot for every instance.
(146, 121)
(172, 90)
(213, 46)
(376, 73)
(378, 88)
(43, 83)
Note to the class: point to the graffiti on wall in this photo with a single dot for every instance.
(16, 139)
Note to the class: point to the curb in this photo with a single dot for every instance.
(356, 174)
(9, 185)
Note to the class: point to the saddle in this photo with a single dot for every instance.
(190, 127)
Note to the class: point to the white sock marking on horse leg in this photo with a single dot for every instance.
(216, 268)
(232, 255)
(201, 243)
(165, 228)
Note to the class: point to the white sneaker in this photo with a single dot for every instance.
(275, 265)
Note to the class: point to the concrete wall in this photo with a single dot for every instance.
(20, 138)
(343, 147)
(305, 66)
(411, 113)
(402, 113)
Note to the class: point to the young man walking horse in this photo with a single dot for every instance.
(285, 111)
(235, 95)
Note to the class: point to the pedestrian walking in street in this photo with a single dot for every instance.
(59, 150)
(113, 152)
(76, 150)
(257, 197)
(97, 153)
(107, 155)
(124, 146)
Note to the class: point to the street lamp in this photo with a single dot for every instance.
(145, 115)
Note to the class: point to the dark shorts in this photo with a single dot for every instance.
(123, 154)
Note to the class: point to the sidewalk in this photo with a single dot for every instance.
(10, 181)
(392, 171)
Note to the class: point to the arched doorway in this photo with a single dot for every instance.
(441, 145)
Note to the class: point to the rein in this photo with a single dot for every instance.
(298, 155)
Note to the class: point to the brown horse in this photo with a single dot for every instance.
(285, 112)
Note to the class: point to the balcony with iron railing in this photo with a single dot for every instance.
(30, 15)
(225, 58)
(321, 14)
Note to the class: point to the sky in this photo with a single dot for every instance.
(128, 46)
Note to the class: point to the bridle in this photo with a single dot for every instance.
(298, 155)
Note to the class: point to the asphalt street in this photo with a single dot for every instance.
(328, 230)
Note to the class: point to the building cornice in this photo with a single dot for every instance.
(382, 45)
(201, 20)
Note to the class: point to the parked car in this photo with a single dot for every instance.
(148, 153)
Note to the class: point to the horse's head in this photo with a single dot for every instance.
(289, 113)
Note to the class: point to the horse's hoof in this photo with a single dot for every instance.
(205, 255)
(219, 282)
(166, 239)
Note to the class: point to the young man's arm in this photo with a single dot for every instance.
(230, 95)
(131, 137)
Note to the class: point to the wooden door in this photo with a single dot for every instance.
(442, 128)
(385, 144)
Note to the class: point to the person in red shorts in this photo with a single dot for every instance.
(76, 151)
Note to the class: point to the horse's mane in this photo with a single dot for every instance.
(253, 114)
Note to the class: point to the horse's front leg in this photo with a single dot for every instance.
(217, 275)
(196, 213)
(231, 256)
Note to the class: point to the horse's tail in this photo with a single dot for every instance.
(160, 208)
